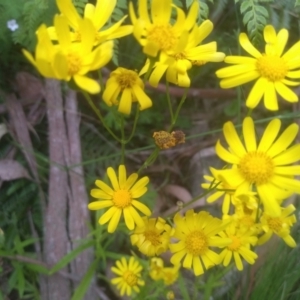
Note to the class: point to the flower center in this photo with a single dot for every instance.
(198, 63)
(74, 63)
(272, 67)
(153, 236)
(196, 243)
(127, 79)
(130, 278)
(163, 36)
(235, 244)
(179, 56)
(122, 198)
(275, 224)
(256, 167)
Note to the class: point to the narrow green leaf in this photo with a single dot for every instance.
(37, 268)
(297, 3)
(85, 282)
(70, 256)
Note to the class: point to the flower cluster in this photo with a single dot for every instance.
(259, 173)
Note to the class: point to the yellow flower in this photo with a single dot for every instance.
(129, 276)
(197, 232)
(98, 15)
(188, 52)
(272, 69)
(69, 60)
(267, 167)
(241, 239)
(158, 272)
(155, 32)
(120, 199)
(153, 237)
(131, 87)
(280, 225)
(222, 189)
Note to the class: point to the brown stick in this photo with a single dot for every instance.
(55, 238)
(78, 199)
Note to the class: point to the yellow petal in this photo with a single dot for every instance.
(233, 140)
(270, 97)
(256, 93)
(161, 11)
(285, 92)
(247, 46)
(87, 84)
(249, 134)
(269, 135)
(96, 205)
(67, 8)
(144, 101)
(114, 221)
(113, 178)
(62, 31)
(284, 141)
(103, 11)
(125, 102)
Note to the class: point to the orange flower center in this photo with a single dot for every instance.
(196, 243)
(163, 36)
(153, 237)
(130, 278)
(235, 244)
(74, 63)
(126, 78)
(256, 167)
(273, 68)
(275, 224)
(122, 198)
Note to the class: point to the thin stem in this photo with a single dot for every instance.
(137, 114)
(122, 141)
(101, 79)
(149, 161)
(99, 115)
(151, 64)
(169, 102)
(178, 109)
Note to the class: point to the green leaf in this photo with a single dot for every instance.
(261, 10)
(85, 282)
(245, 5)
(247, 17)
(70, 256)
(37, 268)
(297, 3)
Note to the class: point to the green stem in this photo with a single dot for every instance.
(99, 115)
(137, 114)
(178, 109)
(101, 79)
(169, 102)
(122, 141)
(149, 161)
(196, 198)
(151, 64)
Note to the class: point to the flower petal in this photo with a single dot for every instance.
(100, 204)
(269, 135)
(113, 178)
(249, 134)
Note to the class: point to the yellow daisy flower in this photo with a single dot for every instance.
(222, 189)
(266, 167)
(241, 239)
(280, 225)
(197, 232)
(188, 52)
(155, 32)
(98, 15)
(272, 69)
(153, 237)
(129, 276)
(68, 60)
(158, 272)
(121, 199)
(130, 86)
